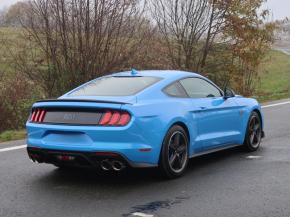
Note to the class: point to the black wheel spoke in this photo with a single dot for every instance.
(252, 125)
(172, 146)
(258, 136)
(177, 140)
(179, 161)
(252, 136)
(172, 159)
(181, 149)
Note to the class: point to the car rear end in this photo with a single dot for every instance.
(103, 132)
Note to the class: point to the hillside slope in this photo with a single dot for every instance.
(274, 77)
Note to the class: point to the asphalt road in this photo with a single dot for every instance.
(225, 184)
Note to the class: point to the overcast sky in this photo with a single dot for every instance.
(6, 3)
(279, 8)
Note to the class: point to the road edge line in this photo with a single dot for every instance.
(12, 148)
(276, 104)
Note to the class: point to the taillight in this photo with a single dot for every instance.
(37, 115)
(115, 118)
(108, 118)
(124, 119)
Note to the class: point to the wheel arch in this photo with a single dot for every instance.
(260, 116)
(246, 121)
(184, 126)
(181, 124)
(189, 123)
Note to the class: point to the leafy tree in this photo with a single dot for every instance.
(250, 38)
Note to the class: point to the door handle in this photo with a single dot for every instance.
(202, 107)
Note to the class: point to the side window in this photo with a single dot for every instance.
(199, 88)
(175, 90)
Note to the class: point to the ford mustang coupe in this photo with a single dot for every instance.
(142, 119)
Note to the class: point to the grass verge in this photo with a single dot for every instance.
(10, 135)
(274, 77)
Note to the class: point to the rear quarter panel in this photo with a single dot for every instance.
(155, 117)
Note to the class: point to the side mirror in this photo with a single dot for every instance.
(228, 93)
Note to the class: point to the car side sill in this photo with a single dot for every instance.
(142, 165)
(213, 150)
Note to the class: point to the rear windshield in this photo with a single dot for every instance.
(115, 86)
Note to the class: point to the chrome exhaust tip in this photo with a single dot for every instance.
(118, 165)
(106, 165)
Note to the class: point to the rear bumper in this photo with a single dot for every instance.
(79, 158)
(140, 147)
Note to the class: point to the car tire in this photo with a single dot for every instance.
(254, 133)
(174, 153)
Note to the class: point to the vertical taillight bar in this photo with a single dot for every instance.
(41, 117)
(38, 116)
(33, 116)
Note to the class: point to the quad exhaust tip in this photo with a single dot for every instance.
(106, 165)
(115, 165)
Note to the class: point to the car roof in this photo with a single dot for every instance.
(167, 77)
(167, 74)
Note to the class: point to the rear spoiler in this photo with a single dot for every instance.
(83, 100)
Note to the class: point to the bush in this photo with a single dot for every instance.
(16, 98)
(12, 135)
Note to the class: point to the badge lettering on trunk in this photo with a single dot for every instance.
(69, 117)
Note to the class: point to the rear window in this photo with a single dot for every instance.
(115, 86)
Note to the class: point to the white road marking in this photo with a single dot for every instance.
(254, 157)
(13, 148)
(276, 104)
(140, 214)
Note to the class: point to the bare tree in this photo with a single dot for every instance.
(72, 41)
(189, 28)
(2, 17)
(2, 56)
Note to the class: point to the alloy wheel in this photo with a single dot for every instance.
(177, 151)
(255, 132)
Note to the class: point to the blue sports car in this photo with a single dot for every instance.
(142, 119)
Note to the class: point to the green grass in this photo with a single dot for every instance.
(12, 135)
(9, 42)
(274, 77)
